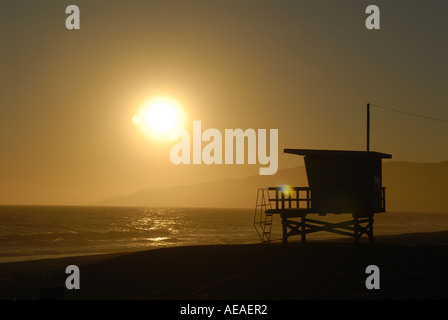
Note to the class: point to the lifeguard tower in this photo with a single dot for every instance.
(339, 182)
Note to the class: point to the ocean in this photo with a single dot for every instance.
(40, 232)
(37, 232)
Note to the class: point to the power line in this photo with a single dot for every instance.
(409, 114)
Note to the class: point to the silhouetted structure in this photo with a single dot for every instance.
(339, 182)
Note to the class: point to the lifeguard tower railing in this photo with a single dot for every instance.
(293, 204)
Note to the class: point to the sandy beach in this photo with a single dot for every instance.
(412, 266)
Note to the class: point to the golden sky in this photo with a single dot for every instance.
(306, 68)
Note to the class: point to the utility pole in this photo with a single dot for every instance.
(368, 127)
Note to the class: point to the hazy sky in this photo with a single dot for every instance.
(307, 68)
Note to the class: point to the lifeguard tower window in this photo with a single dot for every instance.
(339, 182)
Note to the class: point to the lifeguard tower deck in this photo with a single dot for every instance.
(339, 182)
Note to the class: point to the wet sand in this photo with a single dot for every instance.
(412, 266)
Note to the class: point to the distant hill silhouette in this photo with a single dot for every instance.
(415, 187)
(228, 193)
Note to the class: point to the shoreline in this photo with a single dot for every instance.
(413, 266)
(413, 238)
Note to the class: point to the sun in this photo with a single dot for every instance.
(159, 117)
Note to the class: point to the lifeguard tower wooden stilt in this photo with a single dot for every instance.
(340, 182)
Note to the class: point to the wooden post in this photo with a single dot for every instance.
(283, 200)
(308, 203)
(297, 198)
(276, 199)
(289, 200)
